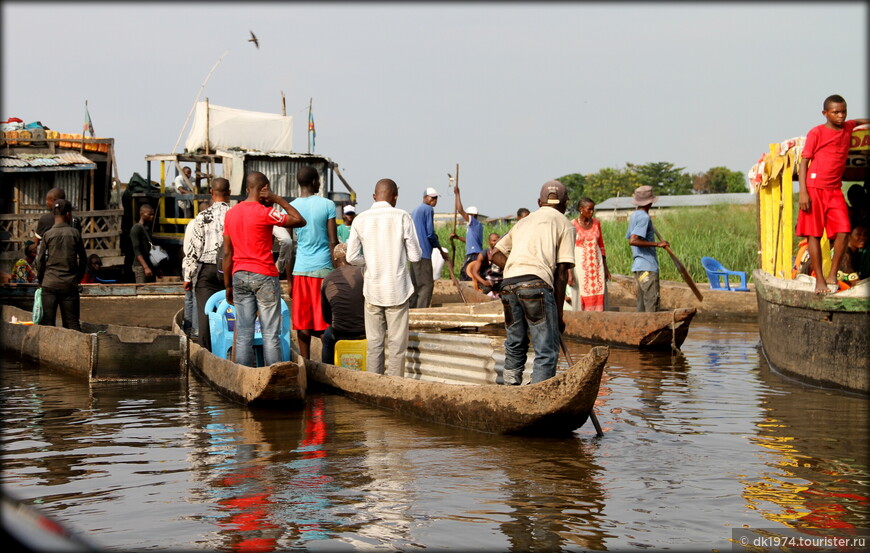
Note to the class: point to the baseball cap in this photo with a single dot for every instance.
(432, 192)
(471, 210)
(553, 187)
(349, 209)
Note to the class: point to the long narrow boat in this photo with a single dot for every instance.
(556, 406)
(99, 352)
(821, 339)
(279, 384)
(658, 330)
(150, 305)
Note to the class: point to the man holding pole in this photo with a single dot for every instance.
(641, 237)
(536, 255)
(473, 236)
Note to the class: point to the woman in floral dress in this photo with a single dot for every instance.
(590, 272)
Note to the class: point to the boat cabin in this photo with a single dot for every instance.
(228, 143)
(33, 161)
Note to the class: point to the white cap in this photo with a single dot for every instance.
(349, 209)
(471, 210)
(432, 192)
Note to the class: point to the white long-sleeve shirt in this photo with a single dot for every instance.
(388, 238)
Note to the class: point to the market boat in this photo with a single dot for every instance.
(279, 384)
(657, 330)
(99, 352)
(821, 339)
(556, 406)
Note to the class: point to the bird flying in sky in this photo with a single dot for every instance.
(254, 40)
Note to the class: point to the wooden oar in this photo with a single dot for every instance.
(682, 269)
(592, 416)
(453, 241)
(456, 282)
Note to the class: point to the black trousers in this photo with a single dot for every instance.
(69, 305)
(208, 281)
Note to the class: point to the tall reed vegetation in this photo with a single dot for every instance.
(726, 232)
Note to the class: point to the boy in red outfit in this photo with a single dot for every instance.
(822, 205)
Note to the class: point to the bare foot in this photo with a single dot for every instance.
(821, 286)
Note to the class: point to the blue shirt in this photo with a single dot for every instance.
(312, 240)
(424, 222)
(642, 259)
(474, 236)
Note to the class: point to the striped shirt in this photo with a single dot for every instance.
(389, 239)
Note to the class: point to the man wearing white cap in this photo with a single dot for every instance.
(343, 230)
(422, 272)
(537, 255)
(473, 236)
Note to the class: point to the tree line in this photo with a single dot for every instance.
(665, 179)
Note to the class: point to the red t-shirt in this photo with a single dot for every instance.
(249, 226)
(827, 149)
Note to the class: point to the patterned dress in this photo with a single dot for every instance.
(587, 294)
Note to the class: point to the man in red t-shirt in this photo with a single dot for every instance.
(822, 205)
(250, 274)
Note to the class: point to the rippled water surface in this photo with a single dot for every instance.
(695, 444)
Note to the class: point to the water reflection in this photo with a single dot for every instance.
(818, 475)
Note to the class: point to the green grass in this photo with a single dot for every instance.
(727, 232)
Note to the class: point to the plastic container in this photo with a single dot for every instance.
(351, 354)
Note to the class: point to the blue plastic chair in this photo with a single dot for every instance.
(222, 319)
(718, 276)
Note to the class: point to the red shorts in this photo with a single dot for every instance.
(306, 313)
(828, 213)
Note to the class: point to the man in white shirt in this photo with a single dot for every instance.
(181, 187)
(389, 240)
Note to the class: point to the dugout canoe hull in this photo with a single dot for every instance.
(822, 340)
(278, 385)
(658, 330)
(99, 352)
(557, 406)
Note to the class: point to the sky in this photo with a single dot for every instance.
(514, 93)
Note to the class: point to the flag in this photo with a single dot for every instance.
(87, 126)
(311, 132)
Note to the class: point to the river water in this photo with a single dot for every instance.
(696, 445)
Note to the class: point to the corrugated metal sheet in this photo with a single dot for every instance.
(66, 159)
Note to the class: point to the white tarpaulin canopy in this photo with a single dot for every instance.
(236, 128)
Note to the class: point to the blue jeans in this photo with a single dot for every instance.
(254, 293)
(530, 310)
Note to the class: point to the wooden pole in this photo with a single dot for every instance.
(592, 416)
(202, 86)
(682, 269)
(206, 128)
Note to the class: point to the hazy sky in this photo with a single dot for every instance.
(515, 93)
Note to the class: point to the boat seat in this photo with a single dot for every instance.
(718, 276)
(222, 320)
(351, 354)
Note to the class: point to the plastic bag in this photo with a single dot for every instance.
(157, 254)
(37, 306)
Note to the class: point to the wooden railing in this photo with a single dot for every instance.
(101, 232)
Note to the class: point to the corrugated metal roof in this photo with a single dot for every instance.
(688, 200)
(47, 160)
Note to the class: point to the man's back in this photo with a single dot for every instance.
(343, 291)
(537, 243)
(249, 226)
(312, 240)
(643, 258)
(387, 236)
(64, 259)
(423, 217)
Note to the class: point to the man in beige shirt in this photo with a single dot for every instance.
(536, 255)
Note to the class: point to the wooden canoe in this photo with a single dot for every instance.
(278, 385)
(658, 330)
(556, 406)
(821, 339)
(149, 305)
(99, 352)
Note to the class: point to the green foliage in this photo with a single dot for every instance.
(610, 182)
(724, 231)
(665, 179)
(575, 183)
(719, 180)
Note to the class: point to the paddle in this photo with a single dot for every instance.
(456, 282)
(592, 416)
(452, 241)
(686, 276)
